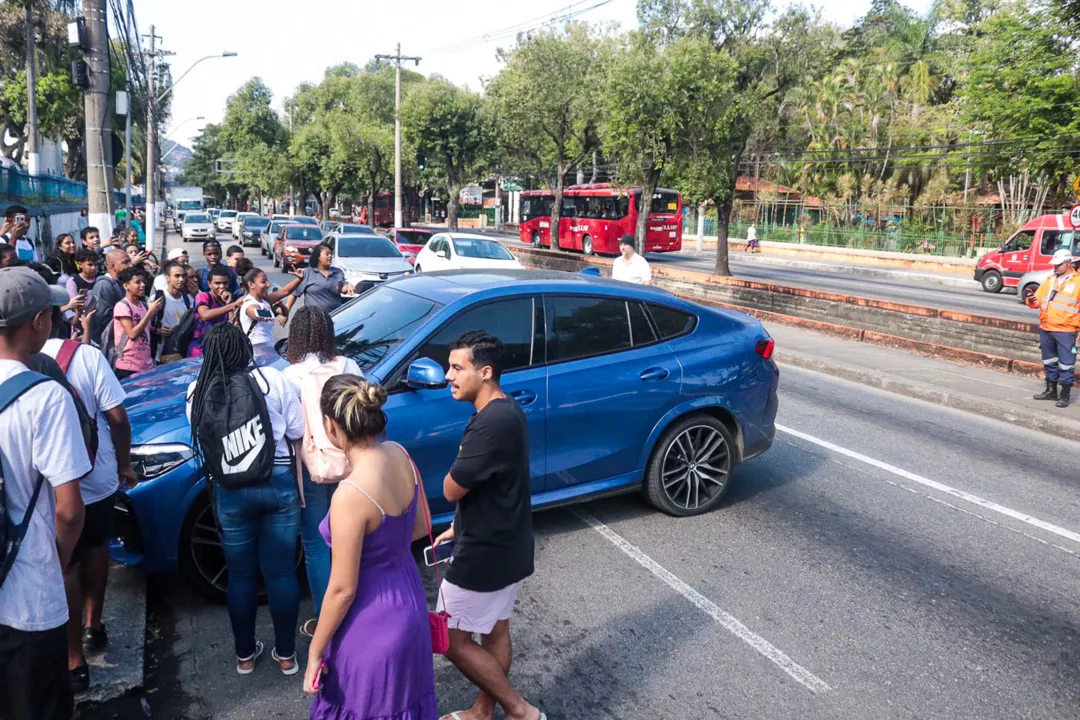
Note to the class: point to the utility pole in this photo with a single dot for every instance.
(397, 58)
(99, 170)
(33, 151)
(150, 171)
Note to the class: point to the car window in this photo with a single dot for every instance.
(671, 322)
(411, 237)
(481, 249)
(301, 220)
(1020, 241)
(1055, 239)
(367, 246)
(256, 222)
(588, 326)
(377, 322)
(303, 233)
(641, 330)
(227, 214)
(193, 219)
(512, 321)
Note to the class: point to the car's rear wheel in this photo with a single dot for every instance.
(991, 281)
(417, 268)
(691, 468)
(586, 245)
(536, 238)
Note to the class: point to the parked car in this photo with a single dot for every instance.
(252, 229)
(266, 240)
(214, 212)
(304, 220)
(197, 226)
(238, 224)
(460, 251)
(293, 245)
(367, 260)
(225, 220)
(693, 388)
(1028, 250)
(409, 240)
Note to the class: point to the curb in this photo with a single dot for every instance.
(1048, 423)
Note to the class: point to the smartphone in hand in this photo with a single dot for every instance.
(433, 555)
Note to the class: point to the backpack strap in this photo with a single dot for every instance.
(66, 354)
(10, 391)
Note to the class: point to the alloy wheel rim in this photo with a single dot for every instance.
(206, 550)
(696, 467)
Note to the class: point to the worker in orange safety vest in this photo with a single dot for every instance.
(1058, 301)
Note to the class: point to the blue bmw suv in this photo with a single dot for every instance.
(626, 389)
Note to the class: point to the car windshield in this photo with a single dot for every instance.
(366, 246)
(189, 205)
(481, 249)
(274, 227)
(305, 221)
(197, 219)
(357, 229)
(227, 214)
(378, 321)
(303, 233)
(256, 223)
(412, 237)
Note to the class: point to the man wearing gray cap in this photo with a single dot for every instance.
(42, 457)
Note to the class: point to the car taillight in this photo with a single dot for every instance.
(765, 348)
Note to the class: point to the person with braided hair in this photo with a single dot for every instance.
(313, 357)
(259, 521)
(373, 638)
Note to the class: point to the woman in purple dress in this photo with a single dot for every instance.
(371, 654)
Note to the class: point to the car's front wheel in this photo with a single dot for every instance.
(586, 245)
(991, 281)
(691, 468)
(1028, 291)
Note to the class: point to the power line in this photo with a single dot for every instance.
(566, 14)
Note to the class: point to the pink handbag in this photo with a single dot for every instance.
(438, 622)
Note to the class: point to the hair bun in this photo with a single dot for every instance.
(372, 396)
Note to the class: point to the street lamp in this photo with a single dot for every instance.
(227, 53)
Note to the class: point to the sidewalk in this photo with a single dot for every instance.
(962, 387)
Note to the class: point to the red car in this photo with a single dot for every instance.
(410, 241)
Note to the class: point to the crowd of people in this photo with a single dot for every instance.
(294, 454)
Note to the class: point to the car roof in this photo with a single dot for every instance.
(469, 236)
(450, 285)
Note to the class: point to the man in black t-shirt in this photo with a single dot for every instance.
(492, 528)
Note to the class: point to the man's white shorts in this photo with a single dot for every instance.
(477, 612)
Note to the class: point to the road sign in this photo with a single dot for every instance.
(1074, 216)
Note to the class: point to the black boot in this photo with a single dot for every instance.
(1050, 393)
(1063, 398)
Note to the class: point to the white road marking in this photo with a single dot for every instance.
(800, 674)
(934, 484)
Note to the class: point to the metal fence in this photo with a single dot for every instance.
(905, 231)
(17, 186)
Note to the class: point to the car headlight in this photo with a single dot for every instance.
(151, 461)
(291, 249)
(247, 234)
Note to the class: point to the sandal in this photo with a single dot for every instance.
(308, 628)
(291, 670)
(254, 656)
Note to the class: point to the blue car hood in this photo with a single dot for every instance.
(157, 399)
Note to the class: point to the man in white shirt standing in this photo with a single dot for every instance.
(41, 446)
(87, 575)
(629, 266)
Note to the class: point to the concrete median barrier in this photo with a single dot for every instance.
(1001, 344)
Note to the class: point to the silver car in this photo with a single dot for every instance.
(1030, 282)
(266, 240)
(367, 260)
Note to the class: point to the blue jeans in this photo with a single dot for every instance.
(259, 525)
(1059, 358)
(316, 551)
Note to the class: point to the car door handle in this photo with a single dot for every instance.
(656, 373)
(524, 397)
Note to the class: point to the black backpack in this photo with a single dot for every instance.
(234, 435)
(11, 535)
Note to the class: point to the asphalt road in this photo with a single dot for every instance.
(913, 291)
(886, 558)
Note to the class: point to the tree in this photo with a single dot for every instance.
(450, 126)
(253, 137)
(546, 104)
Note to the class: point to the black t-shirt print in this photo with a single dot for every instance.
(493, 535)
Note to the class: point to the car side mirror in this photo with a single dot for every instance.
(441, 253)
(425, 374)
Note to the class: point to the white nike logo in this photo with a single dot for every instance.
(244, 443)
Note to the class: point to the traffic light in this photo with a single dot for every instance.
(80, 74)
(421, 161)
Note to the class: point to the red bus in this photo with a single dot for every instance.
(384, 210)
(594, 217)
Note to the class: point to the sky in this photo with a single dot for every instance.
(286, 47)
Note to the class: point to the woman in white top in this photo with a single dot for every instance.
(257, 309)
(629, 266)
(312, 347)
